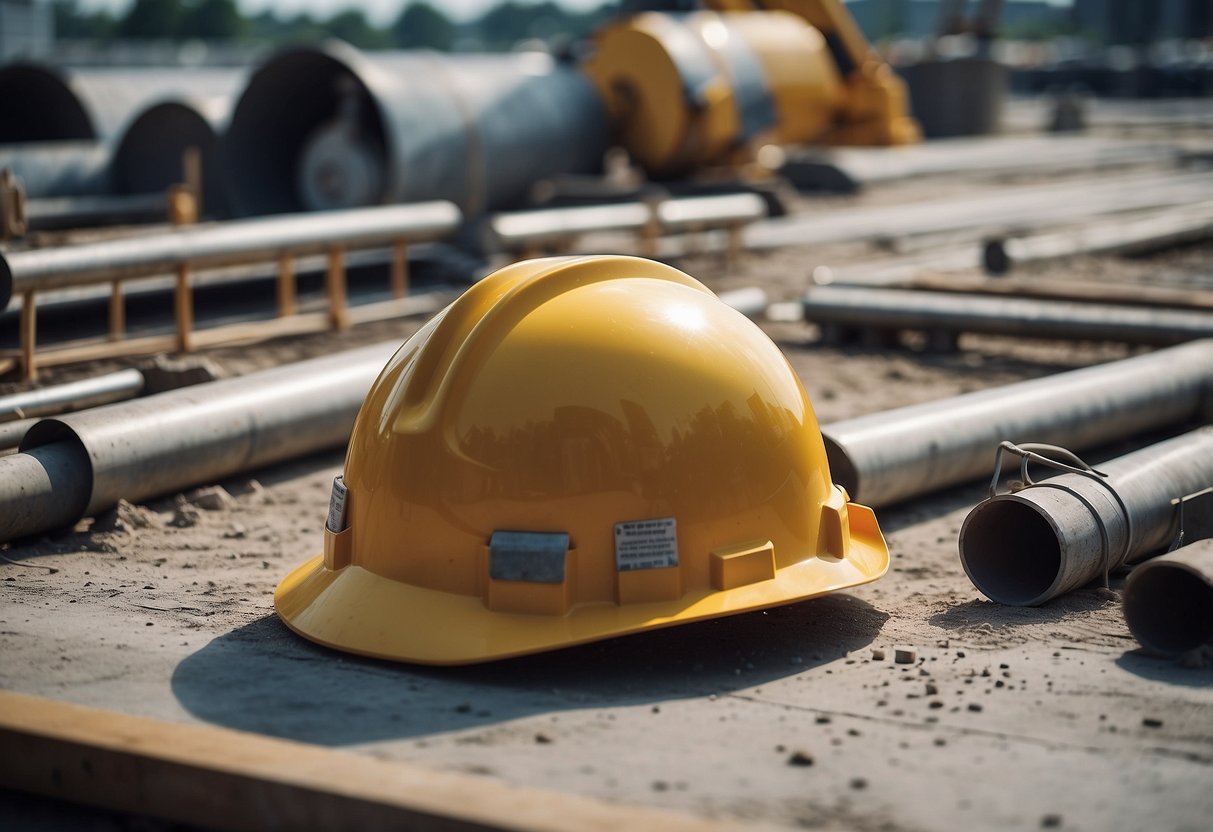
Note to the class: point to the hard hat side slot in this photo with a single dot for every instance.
(529, 572)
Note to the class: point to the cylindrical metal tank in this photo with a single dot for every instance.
(688, 90)
(43, 103)
(149, 154)
(327, 127)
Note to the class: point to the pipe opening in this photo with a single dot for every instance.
(305, 135)
(150, 155)
(1010, 552)
(1169, 608)
(39, 106)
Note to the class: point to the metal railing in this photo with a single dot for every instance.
(184, 251)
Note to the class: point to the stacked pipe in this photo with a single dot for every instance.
(100, 132)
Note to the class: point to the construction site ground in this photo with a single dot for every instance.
(1006, 718)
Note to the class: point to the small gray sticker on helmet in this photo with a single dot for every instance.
(336, 522)
(646, 544)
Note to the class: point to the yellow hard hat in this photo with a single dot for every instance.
(575, 449)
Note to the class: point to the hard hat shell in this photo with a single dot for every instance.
(576, 448)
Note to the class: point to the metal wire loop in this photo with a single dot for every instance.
(1029, 452)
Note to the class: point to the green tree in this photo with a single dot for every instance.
(353, 27)
(420, 25)
(73, 24)
(151, 20)
(212, 20)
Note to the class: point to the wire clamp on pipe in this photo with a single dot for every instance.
(1069, 463)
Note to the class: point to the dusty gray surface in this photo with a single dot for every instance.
(1009, 719)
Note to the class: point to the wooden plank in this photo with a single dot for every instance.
(93, 350)
(253, 331)
(220, 778)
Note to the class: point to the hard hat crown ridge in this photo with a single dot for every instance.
(577, 448)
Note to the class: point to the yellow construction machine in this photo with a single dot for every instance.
(713, 85)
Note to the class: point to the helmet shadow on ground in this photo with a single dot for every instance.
(263, 678)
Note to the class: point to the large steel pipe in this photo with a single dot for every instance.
(45, 103)
(1028, 546)
(893, 455)
(331, 127)
(224, 244)
(1028, 317)
(1168, 601)
(76, 465)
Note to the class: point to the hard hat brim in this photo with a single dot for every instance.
(358, 611)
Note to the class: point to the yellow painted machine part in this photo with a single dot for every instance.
(672, 131)
(570, 395)
(803, 80)
(646, 95)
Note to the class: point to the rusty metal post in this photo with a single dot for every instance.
(183, 305)
(400, 269)
(335, 283)
(117, 311)
(286, 286)
(29, 336)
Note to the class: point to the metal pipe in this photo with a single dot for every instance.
(893, 455)
(65, 168)
(1054, 536)
(1168, 601)
(915, 309)
(513, 229)
(1028, 206)
(751, 301)
(328, 126)
(11, 433)
(1136, 235)
(710, 211)
(76, 395)
(51, 213)
(225, 244)
(848, 168)
(158, 444)
(552, 225)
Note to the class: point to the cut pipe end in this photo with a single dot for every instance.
(842, 468)
(1169, 607)
(1011, 552)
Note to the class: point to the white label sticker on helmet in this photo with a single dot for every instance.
(336, 521)
(646, 544)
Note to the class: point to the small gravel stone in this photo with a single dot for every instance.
(800, 758)
(877, 654)
(905, 655)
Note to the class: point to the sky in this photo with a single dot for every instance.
(378, 11)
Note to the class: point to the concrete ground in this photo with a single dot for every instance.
(1005, 718)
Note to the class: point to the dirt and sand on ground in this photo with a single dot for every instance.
(1005, 718)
